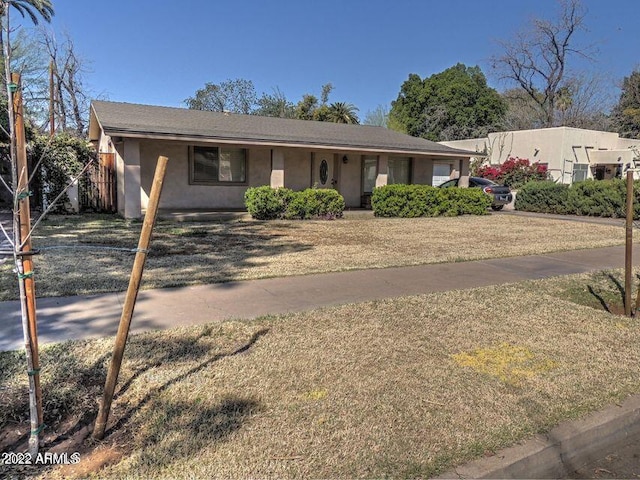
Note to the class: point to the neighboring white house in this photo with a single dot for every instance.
(571, 154)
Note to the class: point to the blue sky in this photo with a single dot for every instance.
(161, 52)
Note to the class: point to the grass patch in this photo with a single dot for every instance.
(210, 252)
(509, 363)
(394, 388)
(602, 290)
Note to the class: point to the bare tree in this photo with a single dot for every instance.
(71, 105)
(581, 103)
(587, 98)
(236, 96)
(378, 117)
(536, 60)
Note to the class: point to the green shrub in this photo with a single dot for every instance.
(315, 203)
(266, 203)
(465, 201)
(543, 197)
(599, 198)
(60, 158)
(425, 201)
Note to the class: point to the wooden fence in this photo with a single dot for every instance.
(98, 186)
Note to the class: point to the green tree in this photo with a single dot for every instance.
(310, 108)
(341, 112)
(625, 116)
(306, 107)
(236, 96)
(454, 104)
(275, 105)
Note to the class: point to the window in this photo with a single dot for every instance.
(213, 165)
(369, 173)
(580, 172)
(441, 173)
(449, 183)
(399, 170)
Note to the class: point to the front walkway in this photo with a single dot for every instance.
(64, 318)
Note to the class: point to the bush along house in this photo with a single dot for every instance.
(215, 157)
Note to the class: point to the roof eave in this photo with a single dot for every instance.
(115, 132)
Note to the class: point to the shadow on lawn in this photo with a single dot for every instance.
(610, 294)
(151, 395)
(180, 253)
(71, 390)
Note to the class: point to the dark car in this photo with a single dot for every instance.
(501, 193)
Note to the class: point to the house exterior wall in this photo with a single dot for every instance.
(299, 168)
(178, 193)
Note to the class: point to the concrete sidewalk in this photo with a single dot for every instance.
(64, 318)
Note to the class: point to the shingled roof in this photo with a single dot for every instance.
(146, 121)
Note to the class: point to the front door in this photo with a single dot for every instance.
(323, 171)
(599, 172)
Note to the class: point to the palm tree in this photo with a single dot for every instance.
(341, 112)
(30, 8)
(44, 8)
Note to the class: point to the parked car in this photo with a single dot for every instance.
(501, 193)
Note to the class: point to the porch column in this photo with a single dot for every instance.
(463, 168)
(128, 160)
(277, 168)
(383, 170)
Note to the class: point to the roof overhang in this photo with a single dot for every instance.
(133, 121)
(113, 132)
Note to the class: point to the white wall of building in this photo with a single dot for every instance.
(565, 150)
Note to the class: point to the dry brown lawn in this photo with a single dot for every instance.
(398, 388)
(208, 252)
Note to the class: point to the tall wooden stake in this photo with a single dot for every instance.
(628, 264)
(52, 93)
(24, 252)
(130, 299)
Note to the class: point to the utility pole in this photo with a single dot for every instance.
(24, 260)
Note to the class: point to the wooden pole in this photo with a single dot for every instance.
(52, 116)
(628, 264)
(24, 214)
(130, 299)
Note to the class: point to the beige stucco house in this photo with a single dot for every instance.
(215, 157)
(571, 154)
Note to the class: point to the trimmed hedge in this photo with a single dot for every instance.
(315, 203)
(266, 203)
(426, 201)
(598, 198)
(543, 197)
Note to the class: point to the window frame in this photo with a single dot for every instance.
(219, 148)
(409, 161)
(584, 169)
